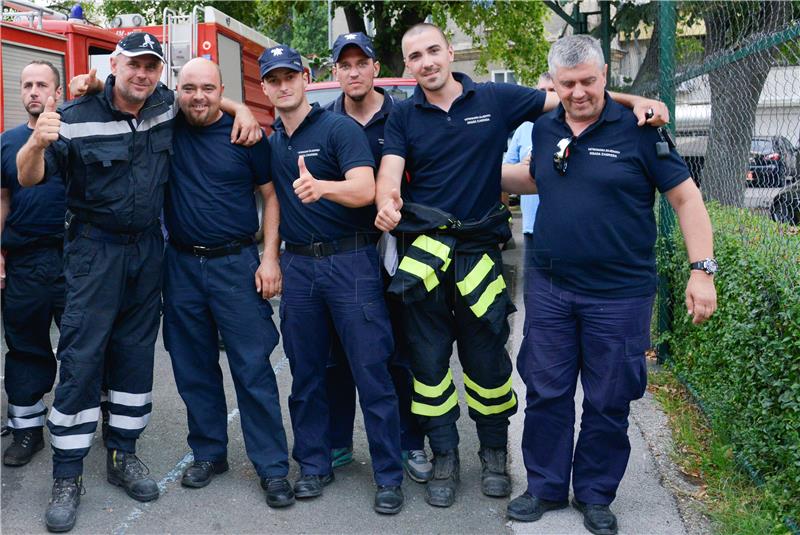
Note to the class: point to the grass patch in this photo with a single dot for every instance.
(733, 502)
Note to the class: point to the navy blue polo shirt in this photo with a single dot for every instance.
(454, 158)
(210, 198)
(37, 211)
(595, 227)
(375, 126)
(331, 145)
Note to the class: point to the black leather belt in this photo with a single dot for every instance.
(232, 247)
(320, 249)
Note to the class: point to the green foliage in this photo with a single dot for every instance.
(243, 11)
(301, 25)
(744, 364)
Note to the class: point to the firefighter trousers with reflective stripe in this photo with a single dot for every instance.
(203, 295)
(431, 325)
(342, 294)
(109, 326)
(32, 299)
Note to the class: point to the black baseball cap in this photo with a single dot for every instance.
(139, 44)
(277, 57)
(356, 39)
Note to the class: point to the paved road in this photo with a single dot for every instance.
(234, 503)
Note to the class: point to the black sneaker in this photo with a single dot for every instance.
(126, 470)
(200, 473)
(441, 490)
(598, 519)
(26, 442)
(527, 508)
(495, 481)
(311, 486)
(63, 507)
(279, 492)
(388, 500)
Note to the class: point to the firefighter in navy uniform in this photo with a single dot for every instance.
(113, 151)
(32, 223)
(322, 171)
(450, 136)
(355, 67)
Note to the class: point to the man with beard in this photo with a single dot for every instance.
(213, 280)
(31, 273)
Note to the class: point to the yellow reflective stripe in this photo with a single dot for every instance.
(420, 270)
(446, 265)
(433, 391)
(435, 247)
(423, 409)
(488, 393)
(493, 409)
(488, 296)
(476, 276)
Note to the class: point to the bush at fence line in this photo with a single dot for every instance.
(744, 364)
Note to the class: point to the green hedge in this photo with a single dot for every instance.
(744, 364)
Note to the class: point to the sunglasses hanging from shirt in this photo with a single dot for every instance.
(561, 155)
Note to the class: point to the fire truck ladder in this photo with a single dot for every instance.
(17, 10)
(180, 35)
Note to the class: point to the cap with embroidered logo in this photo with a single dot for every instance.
(139, 44)
(277, 57)
(356, 39)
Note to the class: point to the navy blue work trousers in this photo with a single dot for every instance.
(603, 339)
(341, 294)
(342, 389)
(32, 299)
(109, 327)
(201, 297)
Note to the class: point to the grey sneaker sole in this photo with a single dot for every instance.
(416, 475)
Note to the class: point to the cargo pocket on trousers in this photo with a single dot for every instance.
(632, 379)
(80, 257)
(376, 339)
(69, 327)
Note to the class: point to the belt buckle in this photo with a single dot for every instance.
(200, 250)
(316, 249)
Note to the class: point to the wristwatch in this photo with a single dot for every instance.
(709, 265)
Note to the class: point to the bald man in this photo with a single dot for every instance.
(214, 279)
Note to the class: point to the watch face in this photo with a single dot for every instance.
(711, 266)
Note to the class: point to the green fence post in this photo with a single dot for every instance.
(666, 44)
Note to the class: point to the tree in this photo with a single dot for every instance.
(152, 10)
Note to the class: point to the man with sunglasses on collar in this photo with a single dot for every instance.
(355, 67)
(590, 293)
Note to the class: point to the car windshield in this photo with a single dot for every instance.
(326, 96)
(761, 146)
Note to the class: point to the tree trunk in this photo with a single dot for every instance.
(735, 90)
(355, 21)
(647, 77)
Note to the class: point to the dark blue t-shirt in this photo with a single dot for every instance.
(210, 199)
(454, 158)
(375, 126)
(331, 145)
(37, 211)
(595, 227)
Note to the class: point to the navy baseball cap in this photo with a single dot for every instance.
(277, 57)
(356, 39)
(139, 44)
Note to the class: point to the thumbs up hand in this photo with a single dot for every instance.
(47, 125)
(307, 188)
(389, 212)
(85, 84)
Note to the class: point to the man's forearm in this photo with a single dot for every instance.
(30, 164)
(352, 193)
(271, 221)
(390, 176)
(696, 228)
(5, 207)
(229, 106)
(516, 178)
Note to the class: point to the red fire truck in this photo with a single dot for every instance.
(31, 32)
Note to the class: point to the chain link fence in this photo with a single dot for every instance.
(734, 71)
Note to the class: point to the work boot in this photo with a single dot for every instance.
(341, 456)
(63, 507)
(495, 481)
(598, 519)
(26, 442)
(417, 465)
(388, 499)
(310, 486)
(441, 490)
(528, 508)
(200, 473)
(125, 470)
(279, 492)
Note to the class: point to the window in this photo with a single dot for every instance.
(504, 77)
